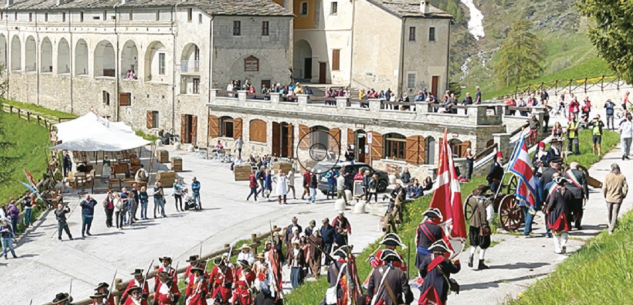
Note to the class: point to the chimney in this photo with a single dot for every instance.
(9, 3)
(424, 7)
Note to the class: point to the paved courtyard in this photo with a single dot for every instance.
(226, 218)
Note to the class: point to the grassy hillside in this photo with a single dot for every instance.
(31, 145)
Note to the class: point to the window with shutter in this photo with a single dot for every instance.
(335, 139)
(376, 146)
(194, 130)
(149, 120)
(336, 59)
(257, 131)
(350, 136)
(303, 136)
(237, 128)
(214, 126)
(416, 147)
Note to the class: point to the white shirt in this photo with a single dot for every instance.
(249, 257)
(340, 183)
(626, 129)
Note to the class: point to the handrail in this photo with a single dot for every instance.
(486, 152)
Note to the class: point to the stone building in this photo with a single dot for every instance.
(148, 63)
(398, 44)
(398, 138)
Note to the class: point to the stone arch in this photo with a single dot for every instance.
(46, 55)
(190, 59)
(3, 52)
(16, 54)
(63, 57)
(156, 62)
(81, 58)
(30, 58)
(129, 58)
(104, 59)
(302, 60)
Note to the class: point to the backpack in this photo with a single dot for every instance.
(609, 107)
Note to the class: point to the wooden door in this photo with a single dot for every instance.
(183, 128)
(276, 139)
(434, 83)
(335, 139)
(291, 141)
(237, 128)
(194, 130)
(322, 72)
(149, 120)
(415, 148)
(376, 146)
(350, 137)
(465, 146)
(304, 137)
(214, 126)
(308, 68)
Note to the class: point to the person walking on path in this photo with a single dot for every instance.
(252, 184)
(135, 205)
(572, 135)
(177, 186)
(60, 215)
(268, 184)
(596, 131)
(340, 186)
(306, 184)
(282, 186)
(87, 213)
(261, 176)
(534, 127)
(6, 237)
(291, 183)
(27, 207)
(158, 199)
(614, 190)
(343, 230)
(195, 188)
(470, 163)
(372, 189)
(626, 133)
(479, 232)
(580, 190)
(314, 254)
(67, 164)
(327, 232)
(436, 270)
(314, 181)
(118, 211)
(238, 147)
(108, 207)
(131, 202)
(296, 262)
(559, 215)
(610, 106)
(143, 198)
(427, 233)
(14, 214)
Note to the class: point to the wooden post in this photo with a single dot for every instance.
(556, 88)
(586, 84)
(19, 117)
(28, 116)
(38, 119)
(10, 109)
(602, 83)
(254, 240)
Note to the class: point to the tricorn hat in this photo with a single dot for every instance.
(440, 246)
(137, 272)
(61, 297)
(560, 180)
(193, 258)
(392, 239)
(389, 255)
(326, 220)
(166, 258)
(341, 251)
(102, 285)
(434, 213)
(98, 295)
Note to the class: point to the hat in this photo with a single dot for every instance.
(260, 255)
(133, 288)
(98, 295)
(194, 269)
(244, 262)
(392, 239)
(434, 213)
(556, 160)
(341, 212)
(389, 255)
(61, 297)
(137, 272)
(541, 144)
(166, 258)
(325, 220)
(218, 261)
(312, 222)
(295, 229)
(192, 259)
(560, 180)
(341, 251)
(102, 285)
(499, 154)
(245, 246)
(163, 275)
(553, 141)
(439, 246)
(294, 218)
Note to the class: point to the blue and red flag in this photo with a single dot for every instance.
(528, 186)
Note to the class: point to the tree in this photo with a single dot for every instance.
(611, 33)
(521, 55)
(6, 160)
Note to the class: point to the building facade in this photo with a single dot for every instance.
(151, 65)
(401, 45)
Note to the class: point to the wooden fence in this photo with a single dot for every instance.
(570, 85)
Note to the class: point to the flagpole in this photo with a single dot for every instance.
(514, 152)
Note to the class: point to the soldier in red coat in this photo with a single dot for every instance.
(167, 292)
(166, 261)
(136, 296)
(194, 262)
(221, 281)
(197, 289)
(241, 294)
(102, 288)
(245, 273)
(98, 298)
(138, 281)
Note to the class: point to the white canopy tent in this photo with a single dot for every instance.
(93, 133)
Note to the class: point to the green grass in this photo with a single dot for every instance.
(147, 137)
(599, 273)
(45, 112)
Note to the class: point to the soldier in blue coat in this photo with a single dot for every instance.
(436, 270)
(427, 233)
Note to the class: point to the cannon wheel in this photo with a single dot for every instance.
(510, 214)
(469, 205)
(511, 188)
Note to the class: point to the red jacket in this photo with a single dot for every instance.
(163, 298)
(130, 302)
(243, 295)
(109, 302)
(197, 292)
(171, 272)
(221, 281)
(133, 283)
(249, 278)
(253, 181)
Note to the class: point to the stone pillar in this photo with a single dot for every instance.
(274, 98)
(302, 100)
(503, 144)
(241, 95)
(540, 114)
(213, 94)
(374, 105)
(422, 108)
(341, 102)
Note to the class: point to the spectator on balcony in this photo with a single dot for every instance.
(523, 104)
(329, 92)
(511, 103)
(477, 96)
(382, 95)
(251, 90)
(531, 101)
(361, 95)
(467, 101)
(307, 90)
(544, 97)
(420, 97)
(534, 126)
(130, 75)
(247, 85)
(298, 89)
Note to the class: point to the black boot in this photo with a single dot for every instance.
(482, 266)
(470, 260)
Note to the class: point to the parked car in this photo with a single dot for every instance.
(352, 168)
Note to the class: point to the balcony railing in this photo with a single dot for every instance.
(189, 67)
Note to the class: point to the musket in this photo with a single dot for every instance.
(111, 285)
(200, 254)
(31, 303)
(145, 277)
(70, 290)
